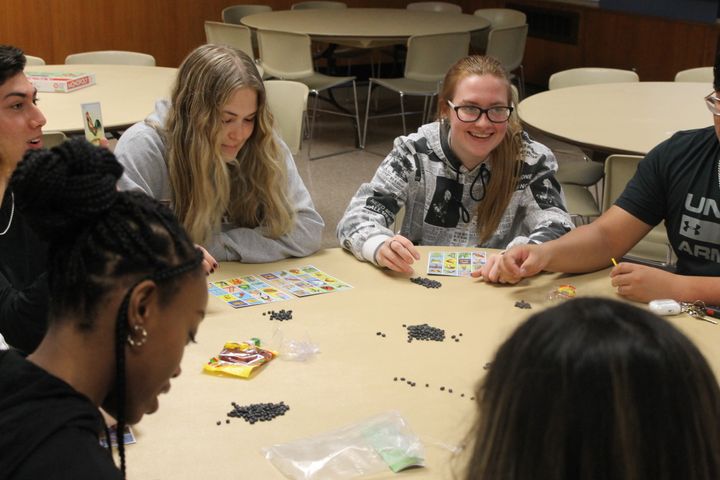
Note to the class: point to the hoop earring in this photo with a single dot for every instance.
(141, 332)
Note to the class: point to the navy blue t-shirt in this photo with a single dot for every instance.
(679, 182)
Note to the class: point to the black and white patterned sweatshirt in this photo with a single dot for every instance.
(441, 196)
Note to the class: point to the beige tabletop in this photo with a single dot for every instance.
(352, 378)
(365, 27)
(127, 95)
(618, 117)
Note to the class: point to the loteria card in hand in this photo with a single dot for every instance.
(455, 264)
(92, 120)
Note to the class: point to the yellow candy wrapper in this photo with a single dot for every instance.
(239, 359)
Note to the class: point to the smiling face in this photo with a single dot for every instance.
(238, 121)
(21, 121)
(170, 328)
(472, 142)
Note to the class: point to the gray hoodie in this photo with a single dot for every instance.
(141, 151)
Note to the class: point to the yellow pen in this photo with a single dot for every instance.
(614, 262)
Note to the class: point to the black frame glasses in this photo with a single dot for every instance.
(713, 104)
(491, 113)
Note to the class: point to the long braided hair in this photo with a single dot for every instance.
(99, 238)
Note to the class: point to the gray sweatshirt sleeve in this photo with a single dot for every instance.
(367, 219)
(141, 152)
(249, 245)
(545, 215)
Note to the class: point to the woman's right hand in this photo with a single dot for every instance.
(398, 254)
(209, 263)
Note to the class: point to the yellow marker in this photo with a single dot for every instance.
(614, 262)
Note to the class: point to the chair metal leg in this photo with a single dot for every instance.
(402, 112)
(367, 112)
(315, 95)
(361, 140)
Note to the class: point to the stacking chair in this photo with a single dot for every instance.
(576, 176)
(428, 59)
(507, 45)
(287, 56)
(441, 7)
(53, 139)
(654, 248)
(498, 18)
(111, 57)
(236, 36)
(313, 4)
(287, 101)
(234, 13)
(30, 60)
(700, 74)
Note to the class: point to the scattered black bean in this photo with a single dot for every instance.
(219, 422)
(426, 282)
(281, 315)
(425, 332)
(442, 389)
(487, 365)
(522, 304)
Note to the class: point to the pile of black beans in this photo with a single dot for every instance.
(426, 282)
(258, 412)
(281, 316)
(425, 332)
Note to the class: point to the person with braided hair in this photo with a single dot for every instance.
(211, 153)
(23, 284)
(127, 294)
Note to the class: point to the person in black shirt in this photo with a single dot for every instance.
(678, 182)
(127, 293)
(23, 285)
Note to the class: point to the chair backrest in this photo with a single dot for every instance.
(507, 44)
(442, 7)
(53, 139)
(590, 76)
(30, 60)
(700, 74)
(502, 17)
(315, 4)
(287, 101)
(429, 57)
(235, 13)
(619, 169)
(236, 36)
(111, 57)
(285, 55)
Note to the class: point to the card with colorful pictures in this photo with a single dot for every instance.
(455, 264)
(246, 291)
(128, 436)
(92, 121)
(305, 281)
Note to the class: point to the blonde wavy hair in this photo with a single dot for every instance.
(250, 190)
(507, 157)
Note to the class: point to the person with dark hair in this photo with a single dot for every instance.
(473, 178)
(677, 182)
(127, 293)
(596, 389)
(23, 284)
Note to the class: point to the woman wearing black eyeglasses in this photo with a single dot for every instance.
(473, 178)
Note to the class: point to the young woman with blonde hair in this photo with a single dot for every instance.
(211, 153)
(473, 178)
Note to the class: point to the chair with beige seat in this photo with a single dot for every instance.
(287, 101)
(577, 176)
(700, 74)
(440, 7)
(428, 59)
(507, 45)
(111, 57)
(30, 60)
(498, 18)
(287, 56)
(655, 247)
(235, 13)
(236, 36)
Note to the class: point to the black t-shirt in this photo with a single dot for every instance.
(23, 282)
(679, 182)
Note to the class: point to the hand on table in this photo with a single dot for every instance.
(512, 265)
(641, 283)
(209, 263)
(398, 254)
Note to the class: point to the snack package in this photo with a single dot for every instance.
(563, 292)
(239, 359)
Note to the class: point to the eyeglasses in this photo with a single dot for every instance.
(713, 103)
(471, 113)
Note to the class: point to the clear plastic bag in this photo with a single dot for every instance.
(372, 446)
(296, 346)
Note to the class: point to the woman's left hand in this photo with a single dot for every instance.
(209, 263)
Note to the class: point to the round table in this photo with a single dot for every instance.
(127, 95)
(353, 376)
(618, 117)
(365, 27)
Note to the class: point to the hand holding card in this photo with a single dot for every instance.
(92, 120)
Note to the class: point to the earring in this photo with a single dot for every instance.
(140, 331)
